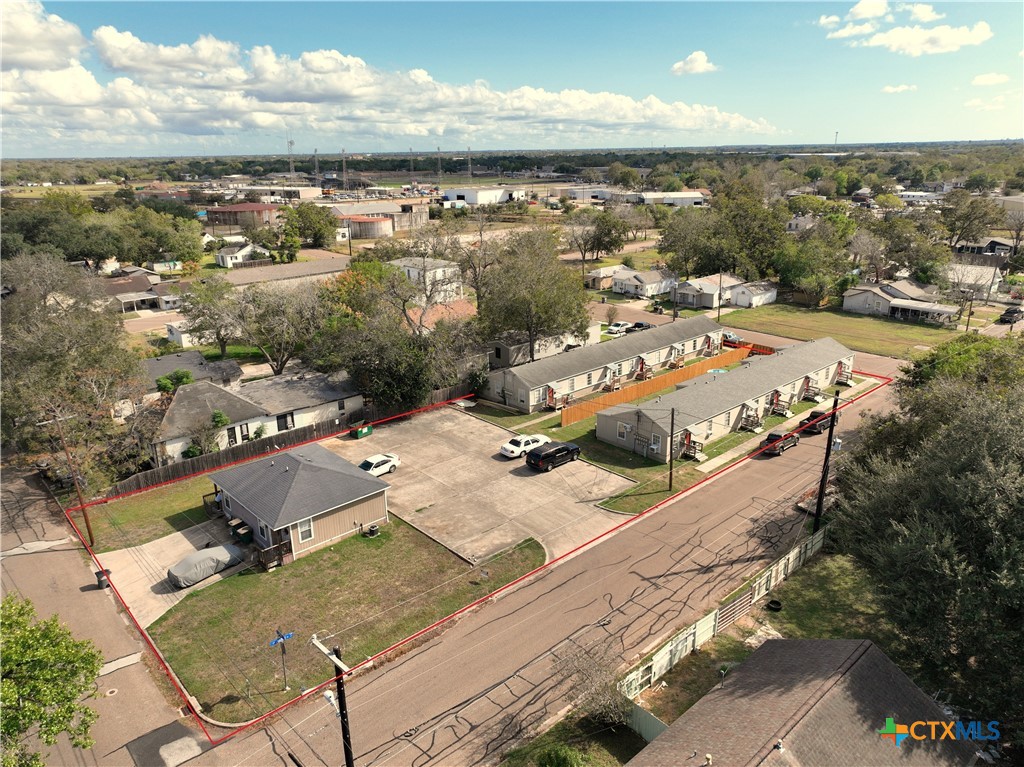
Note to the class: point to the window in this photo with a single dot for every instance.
(286, 422)
(497, 352)
(232, 438)
(655, 443)
(618, 369)
(623, 430)
(243, 432)
(694, 347)
(590, 379)
(572, 384)
(341, 406)
(306, 530)
(227, 502)
(264, 533)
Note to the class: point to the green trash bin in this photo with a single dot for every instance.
(364, 431)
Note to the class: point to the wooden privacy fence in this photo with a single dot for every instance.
(634, 391)
(715, 622)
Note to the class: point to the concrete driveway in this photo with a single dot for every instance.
(140, 573)
(454, 486)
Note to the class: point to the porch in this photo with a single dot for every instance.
(277, 554)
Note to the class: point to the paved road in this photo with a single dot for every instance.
(151, 320)
(42, 562)
(470, 695)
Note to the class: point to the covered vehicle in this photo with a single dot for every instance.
(202, 564)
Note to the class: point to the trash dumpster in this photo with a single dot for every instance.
(102, 579)
(363, 431)
(244, 534)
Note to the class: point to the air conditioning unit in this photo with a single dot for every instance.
(653, 448)
(628, 428)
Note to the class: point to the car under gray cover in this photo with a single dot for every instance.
(201, 564)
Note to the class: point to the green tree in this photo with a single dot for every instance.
(46, 673)
(170, 382)
(209, 307)
(390, 366)
(279, 321)
(989, 362)
(968, 218)
(889, 202)
(931, 504)
(315, 225)
(688, 236)
(532, 293)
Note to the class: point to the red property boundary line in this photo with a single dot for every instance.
(884, 381)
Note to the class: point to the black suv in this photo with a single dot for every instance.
(1011, 315)
(817, 422)
(777, 442)
(546, 457)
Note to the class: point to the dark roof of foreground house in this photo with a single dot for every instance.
(825, 700)
(193, 404)
(712, 393)
(631, 345)
(195, 363)
(297, 484)
(280, 394)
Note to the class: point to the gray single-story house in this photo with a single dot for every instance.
(265, 408)
(301, 500)
(705, 292)
(884, 301)
(508, 352)
(802, 702)
(548, 382)
(716, 404)
(653, 282)
(751, 294)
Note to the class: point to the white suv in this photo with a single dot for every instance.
(617, 328)
(517, 447)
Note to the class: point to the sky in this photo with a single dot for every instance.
(121, 79)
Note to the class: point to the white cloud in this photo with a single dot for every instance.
(995, 104)
(921, 12)
(868, 9)
(208, 61)
(34, 39)
(991, 78)
(898, 88)
(916, 40)
(694, 64)
(828, 21)
(852, 30)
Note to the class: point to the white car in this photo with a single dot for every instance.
(382, 463)
(728, 335)
(517, 447)
(618, 327)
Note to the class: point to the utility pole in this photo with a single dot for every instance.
(469, 154)
(73, 468)
(970, 311)
(346, 734)
(719, 296)
(824, 468)
(344, 169)
(439, 167)
(411, 171)
(671, 447)
(316, 167)
(291, 160)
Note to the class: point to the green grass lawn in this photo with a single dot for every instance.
(501, 417)
(363, 594)
(875, 335)
(150, 515)
(237, 352)
(597, 744)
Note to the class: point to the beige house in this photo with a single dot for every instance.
(299, 501)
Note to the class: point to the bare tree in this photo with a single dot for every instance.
(868, 251)
(1015, 223)
(591, 675)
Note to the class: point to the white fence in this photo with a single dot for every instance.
(712, 624)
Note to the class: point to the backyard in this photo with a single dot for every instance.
(875, 335)
(365, 594)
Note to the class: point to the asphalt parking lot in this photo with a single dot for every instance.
(454, 486)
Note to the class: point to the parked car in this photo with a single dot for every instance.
(1011, 315)
(637, 326)
(618, 327)
(779, 442)
(546, 457)
(201, 564)
(818, 421)
(380, 464)
(517, 447)
(729, 337)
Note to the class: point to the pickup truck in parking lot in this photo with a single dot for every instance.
(779, 442)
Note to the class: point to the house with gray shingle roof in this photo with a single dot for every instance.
(716, 404)
(301, 500)
(221, 372)
(653, 282)
(265, 408)
(804, 702)
(589, 369)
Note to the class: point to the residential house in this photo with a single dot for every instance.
(982, 280)
(235, 255)
(753, 294)
(131, 292)
(549, 382)
(602, 277)
(705, 292)
(485, 195)
(164, 266)
(269, 406)
(177, 334)
(168, 295)
(910, 289)
(798, 224)
(439, 281)
(299, 501)
(994, 245)
(244, 215)
(802, 702)
(654, 282)
(870, 298)
(224, 373)
(509, 352)
(716, 404)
